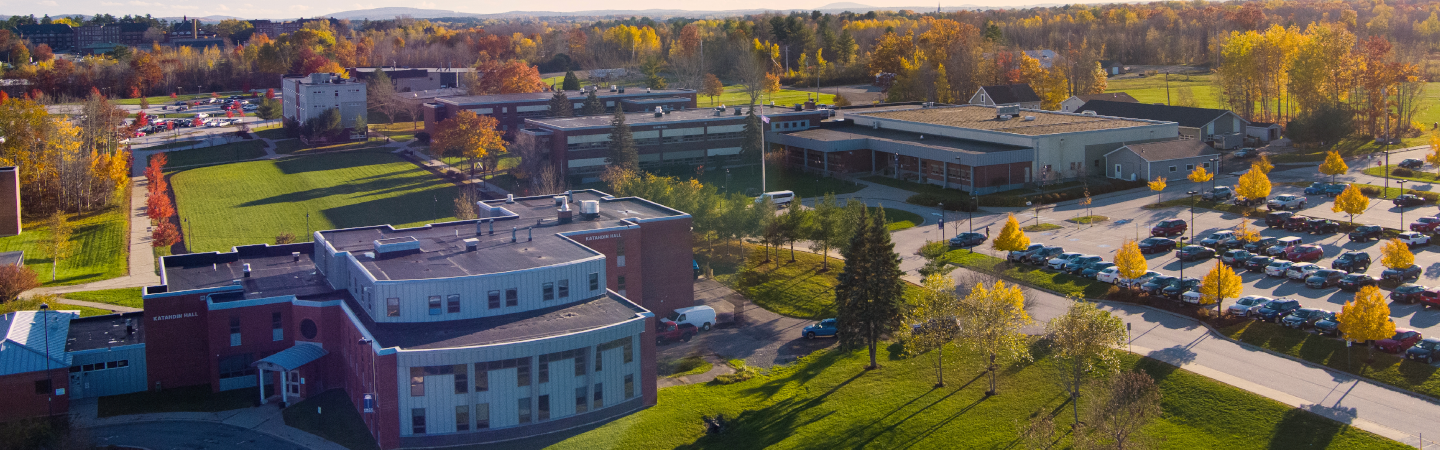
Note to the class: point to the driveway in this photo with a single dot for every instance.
(187, 435)
(760, 337)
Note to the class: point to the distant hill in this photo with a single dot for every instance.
(418, 13)
(852, 6)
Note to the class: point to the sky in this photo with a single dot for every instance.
(281, 9)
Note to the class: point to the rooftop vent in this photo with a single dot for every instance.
(590, 209)
(247, 270)
(295, 256)
(393, 245)
(659, 112)
(1087, 113)
(472, 244)
(799, 107)
(1029, 118)
(621, 91)
(737, 110)
(509, 198)
(559, 200)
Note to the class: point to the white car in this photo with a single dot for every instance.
(250, 107)
(1286, 202)
(1108, 275)
(1131, 282)
(1248, 305)
(1278, 267)
(1058, 262)
(1191, 297)
(1413, 239)
(1301, 271)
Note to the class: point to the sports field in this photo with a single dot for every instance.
(252, 202)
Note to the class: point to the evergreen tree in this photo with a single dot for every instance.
(869, 296)
(592, 105)
(750, 140)
(622, 143)
(560, 105)
(571, 83)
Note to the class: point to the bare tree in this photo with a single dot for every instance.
(1119, 411)
(1039, 432)
(751, 71)
(465, 203)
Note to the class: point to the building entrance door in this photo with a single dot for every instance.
(292, 383)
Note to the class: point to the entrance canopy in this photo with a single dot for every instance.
(292, 358)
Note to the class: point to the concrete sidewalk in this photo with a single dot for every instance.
(265, 419)
(141, 257)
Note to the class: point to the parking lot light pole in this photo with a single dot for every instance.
(1192, 213)
(1401, 204)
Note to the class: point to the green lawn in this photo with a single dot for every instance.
(1349, 148)
(293, 146)
(1419, 175)
(183, 144)
(747, 179)
(98, 247)
(123, 297)
(252, 202)
(337, 421)
(897, 219)
(1332, 353)
(735, 95)
(1039, 227)
(273, 133)
(1063, 283)
(219, 154)
(1086, 220)
(288, 146)
(796, 289)
(159, 100)
(1152, 89)
(186, 399)
(33, 304)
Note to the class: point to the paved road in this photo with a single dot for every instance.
(187, 435)
(765, 338)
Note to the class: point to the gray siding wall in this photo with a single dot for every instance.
(414, 294)
(1061, 150)
(1130, 164)
(110, 381)
(440, 400)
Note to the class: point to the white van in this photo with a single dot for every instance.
(780, 198)
(701, 317)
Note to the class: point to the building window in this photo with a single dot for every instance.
(595, 281)
(620, 282)
(434, 305)
(392, 307)
(417, 381)
(462, 379)
(512, 297)
(1172, 168)
(482, 378)
(599, 395)
(452, 303)
(42, 387)
(544, 406)
(482, 416)
(1206, 165)
(417, 420)
(493, 297)
(524, 408)
(462, 418)
(629, 351)
(620, 252)
(230, 367)
(599, 358)
(544, 370)
(1189, 167)
(564, 288)
(522, 372)
(548, 289)
(580, 404)
(277, 332)
(629, 386)
(580, 361)
(234, 331)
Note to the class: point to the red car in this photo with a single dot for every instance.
(1403, 340)
(1305, 253)
(667, 331)
(1169, 228)
(1425, 224)
(1428, 298)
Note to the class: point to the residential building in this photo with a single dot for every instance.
(1172, 159)
(100, 38)
(418, 79)
(1113, 68)
(307, 96)
(1073, 103)
(1219, 127)
(34, 364)
(60, 37)
(712, 137)
(973, 148)
(274, 29)
(511, 110)
(1006, 94)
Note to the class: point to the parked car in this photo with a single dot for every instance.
(250, 107)
(1235, 257)
(1058, 262)
(1242, 201)
(1286, 202)
(1308, 252)
(1403, 274)
(1352, 262)
(1277, 309)
(1219, 239)
(1365, 233)
(1218, 193)
(1094, 270)
(1301, 271)
(1324, 278)
(1353, 282)
(1283, 246)
(1258, 263)
(1108, 275)
(1298, 224)
(1192, 296)
(1174, 290)
(1077, 265)
(1427, 350)
(1137, 281)
(1247, 306)
(1156, 245)
(1156, 284)
(781, 199)
(1407, 293)
(1403, 339)
(1194, 253)
(1040, 257)
(822, 328)
(699, 316)
(1334, 190)
(1244, 152)
(667, 331)
(1426, 298)
(1167, 228)
(1277, 268)
(1408, 200)
(1328, 325)
(1411, 163)
(1425, 224)
(1323, 226)
(967, 240)
(1303, 318)
(1019, 255)
(1277, 219)
(1261, 244)
(1316, 188)
(1413, 239)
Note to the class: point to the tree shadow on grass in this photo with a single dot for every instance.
(769, 425)
(332, 162)
(1303, 429)
(418, 206)
(374, 188)
(855, 434)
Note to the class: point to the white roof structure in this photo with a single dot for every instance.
(24, 347)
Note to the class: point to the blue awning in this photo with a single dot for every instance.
(292, 358)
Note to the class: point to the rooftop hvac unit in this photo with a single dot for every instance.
(509, 198)
(613, 88)
(659, 112)
(1008, 110)
(1029, 118)
(1006, 117)
(737, 110)
(1087, 113)
(590, 209)
(472, 244)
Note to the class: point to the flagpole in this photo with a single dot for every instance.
(764, 120)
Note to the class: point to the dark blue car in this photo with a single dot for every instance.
(1427, 350)
(1274, 311)
(822, 328)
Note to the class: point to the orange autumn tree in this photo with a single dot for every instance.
(468, 135)
(507, 77)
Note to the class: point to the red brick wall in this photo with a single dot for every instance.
(9, 201)
(22, 402)
(667, 265)
(177, 348)
(255, 335)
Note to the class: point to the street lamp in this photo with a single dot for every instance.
(942, 221)
(49, 390)
(1192, 213)
(1401, 204)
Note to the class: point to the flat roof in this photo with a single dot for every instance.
(272, 274)
(863, 132)
(112, 330)
(472, 100)
(983, 118)
(678, 115)
(568, 318)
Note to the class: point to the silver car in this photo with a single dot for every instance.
(1248, 306)
(1058, 262)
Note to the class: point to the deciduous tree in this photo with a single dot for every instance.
(57, 244)
(869, 292)
(1333, 165)
(1130, 261)
(1352, 201)
(1434, 156)
(793, 224)
(468, 135)
(935, 311)
(15, 279)
(1221, 283)
(1157, 185)
(1085, 338)
(1246, 233)
(1366, 318)
(1200, 175)
(992, 324)
(1117, 416)
(164, 235)
(712, 87)
(935, 262)
(1396, 255)
(1253, 185)
(1263, 163)
(1011, 238)
(826, 226)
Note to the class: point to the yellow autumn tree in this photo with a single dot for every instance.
(1351, 202)
(1333, 165)
(1131, 262)
(1396, 255)
(1221, 283)
(1011, 237)
(1246, 233)
(993, 322)
(469, 135)
(1157, 185)
(1263, 164)
(1367, 318)
(1253, 185)
(1434, 156)
(1200, 175)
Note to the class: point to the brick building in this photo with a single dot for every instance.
(59, 36)
(307, 96)
(511, 110)
(415, 79)
(101, 36)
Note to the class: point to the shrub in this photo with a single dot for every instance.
(15, 279)
(423, 137)
(285, 238)
(1402, 172)
(742, 372)
(1369, 191)
(952, 203)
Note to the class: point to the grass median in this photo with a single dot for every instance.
(98, 248)
(129, 297)
(1331, 352)
(1062, 283)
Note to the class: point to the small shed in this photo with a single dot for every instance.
(1007, 94)
(1171, 159)
(1263, 131)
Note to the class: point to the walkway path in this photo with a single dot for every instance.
(266, 419)
(142, 257)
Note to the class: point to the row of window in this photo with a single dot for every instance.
(579, 146)
(549, 290)
(521, 366)
(277, 329)
(101, 366)
(524, 414)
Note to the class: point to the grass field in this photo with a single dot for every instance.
(292, 146)
(365, 187)
(796, 289)
(123, 297)
(1332, 353)
(1419, 175)
(219, 154)
(33, 304)
(1063, 283)
(98, 247)
(337, 421)
(900, 219)
(1152, 89)
(158, 100)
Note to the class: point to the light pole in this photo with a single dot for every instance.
(1401, 204)
(50, 390)
(1215, 163)
(1192, 213)
(942, 221)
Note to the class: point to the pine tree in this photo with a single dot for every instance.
(571, 83)
(869, 295)
(560, 105)
(751, 139)
(622, 143)
(592, 105)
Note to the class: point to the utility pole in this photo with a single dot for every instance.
(1167, 88)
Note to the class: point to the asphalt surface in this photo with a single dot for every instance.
(187, 435)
